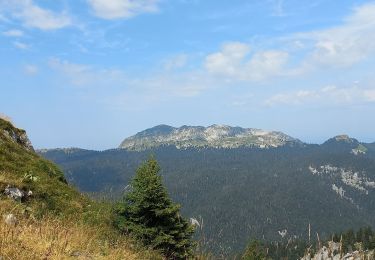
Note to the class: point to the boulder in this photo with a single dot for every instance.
(17, 194)
(14, 193)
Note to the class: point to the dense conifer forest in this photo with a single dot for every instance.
(241, 194)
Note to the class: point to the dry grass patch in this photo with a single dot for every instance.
(50, 238)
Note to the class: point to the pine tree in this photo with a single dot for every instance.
(148, 214)
(255, 251)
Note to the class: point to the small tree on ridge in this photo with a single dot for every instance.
(148, 214)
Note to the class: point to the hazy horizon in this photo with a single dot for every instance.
(90, 73)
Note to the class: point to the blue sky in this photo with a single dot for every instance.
(88, 73)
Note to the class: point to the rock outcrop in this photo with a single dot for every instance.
(14, 134)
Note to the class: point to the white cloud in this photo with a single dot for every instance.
(298, 97)
(13, 33)
(326, 95)
(335, 47)
(266, 64)
(34, 16)
(301, 53)
(228, 59)
(114, 9)
(238, 63)
(87, 76)
(343, 45)
(21, 45)
(234, 62)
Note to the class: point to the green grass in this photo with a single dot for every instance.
(54, 208)
(27, 171)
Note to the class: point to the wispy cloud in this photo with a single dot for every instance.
(13, 33)
(278, 8)
(30, 69)
(300, 53)
(243, 100)
(34, 16)
(326, 95)
(117, 89)
(343, 45)
(242, 64)
(115, 9)
(21, 45)
(86, 76)
(176, 61)
(144, 93)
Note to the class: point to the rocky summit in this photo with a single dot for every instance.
(215, 136)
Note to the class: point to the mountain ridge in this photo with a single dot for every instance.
(245, 192)
(330, 186)
(215, 136)
(150, 139)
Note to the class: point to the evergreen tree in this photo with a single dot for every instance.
(255, 251)
(147, 213)
(348, 240)
(367, 236)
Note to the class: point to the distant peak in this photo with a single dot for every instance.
(215, 136)
(159, 129)
(163, 126)
(343, 137)
(343, 141)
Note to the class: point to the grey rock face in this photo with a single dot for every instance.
(14, 193)
(20, 138)
(24, 140)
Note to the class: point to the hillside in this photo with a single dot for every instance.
(245, 192)
(42, 217)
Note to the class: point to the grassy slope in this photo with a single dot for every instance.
(56, 222)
